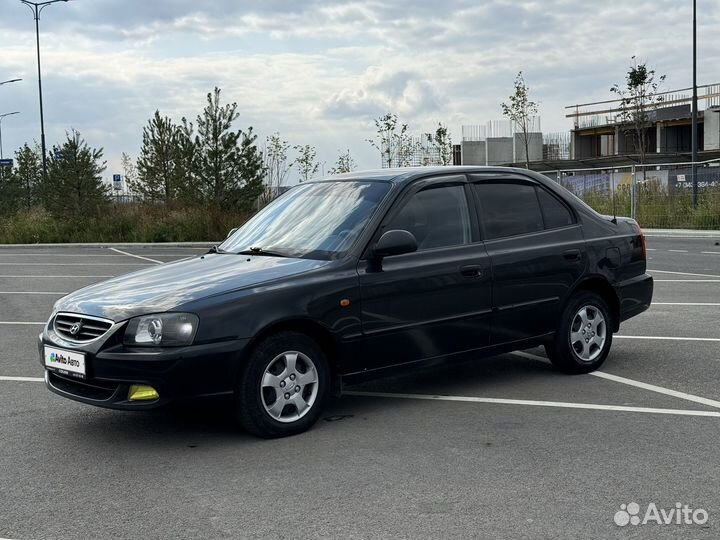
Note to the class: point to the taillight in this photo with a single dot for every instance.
(642, 239)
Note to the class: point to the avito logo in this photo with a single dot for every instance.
(630, 514)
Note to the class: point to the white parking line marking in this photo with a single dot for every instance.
(22, 322)
(683, 273)
(650, 249)
(685, 304)
(136, 256)
(657, 389)
(637, 384)
(669, 338)
(534, 403)
(22, 379)
(678, 250)
(680, 237)
(74, 264)
(54, 254)
(711, 252)
(54, 277)
(33, 292)
(687, 280)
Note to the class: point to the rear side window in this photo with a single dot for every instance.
(508, 209)
(555, 213)
(437, 217)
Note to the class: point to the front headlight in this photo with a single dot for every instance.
(162, 330)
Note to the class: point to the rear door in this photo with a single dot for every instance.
(537, 251)
(436, 301)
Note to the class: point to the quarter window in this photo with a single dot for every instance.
(555, 213)
(437, 217)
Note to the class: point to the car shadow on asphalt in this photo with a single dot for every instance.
(202, 422)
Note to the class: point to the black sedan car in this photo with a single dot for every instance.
(349, 276)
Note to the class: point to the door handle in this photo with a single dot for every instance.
(572, 255)
(471, 270)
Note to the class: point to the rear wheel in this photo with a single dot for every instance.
(583, 340)
(283, 386)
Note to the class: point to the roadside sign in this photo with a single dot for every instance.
(6, 162)
(117, 182)
(680, 177)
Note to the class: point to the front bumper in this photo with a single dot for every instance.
(635, 295)
(176, 373)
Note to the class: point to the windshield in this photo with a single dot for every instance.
(315, 221)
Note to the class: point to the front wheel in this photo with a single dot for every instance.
(583, 340)
(282, 388)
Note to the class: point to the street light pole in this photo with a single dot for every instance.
(1, 119)
(694, 112)
(36, 8)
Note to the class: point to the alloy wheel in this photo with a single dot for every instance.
(588, 333)
(289, 386)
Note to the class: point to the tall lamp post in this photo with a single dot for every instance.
(694, 112)
(1, 119)
(36, 8)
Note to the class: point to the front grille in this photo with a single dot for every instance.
(80, 328)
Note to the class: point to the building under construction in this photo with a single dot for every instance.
(601, 137)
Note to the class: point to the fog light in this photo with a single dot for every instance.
(140, 392)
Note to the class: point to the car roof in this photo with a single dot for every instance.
(406, 174)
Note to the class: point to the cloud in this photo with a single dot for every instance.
(319, 71)
(379, 91)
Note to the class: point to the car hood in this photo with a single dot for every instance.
(168, 286)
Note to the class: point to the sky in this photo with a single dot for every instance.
(320, 71)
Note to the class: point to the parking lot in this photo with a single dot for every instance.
(504, 447)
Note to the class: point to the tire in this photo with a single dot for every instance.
(584, 337)
(283, 386)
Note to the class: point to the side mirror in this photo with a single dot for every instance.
(395, 242)
(231, 233)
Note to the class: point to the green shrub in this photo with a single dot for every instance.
(656, 208)
(138, 222)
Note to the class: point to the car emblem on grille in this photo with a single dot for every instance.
(75, 328)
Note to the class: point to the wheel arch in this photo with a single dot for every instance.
(318, 333)
(602, 287)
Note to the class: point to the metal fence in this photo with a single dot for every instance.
(657, 196)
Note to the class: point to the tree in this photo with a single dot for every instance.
(442, 141)
(186, 183)
(522, 111)
(276, 165)
(156, 166)
(344, 163)
(306, 162)
(228, 167)
(638, 98)
(393, 141)
(11, 191)
(27, 175)
(128, 168)
(75, 187)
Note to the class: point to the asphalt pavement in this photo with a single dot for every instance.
(504, 447)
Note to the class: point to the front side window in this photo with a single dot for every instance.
(436, 216)
(317, 221)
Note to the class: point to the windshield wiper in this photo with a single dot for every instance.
(215, 249)
(261, 251)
